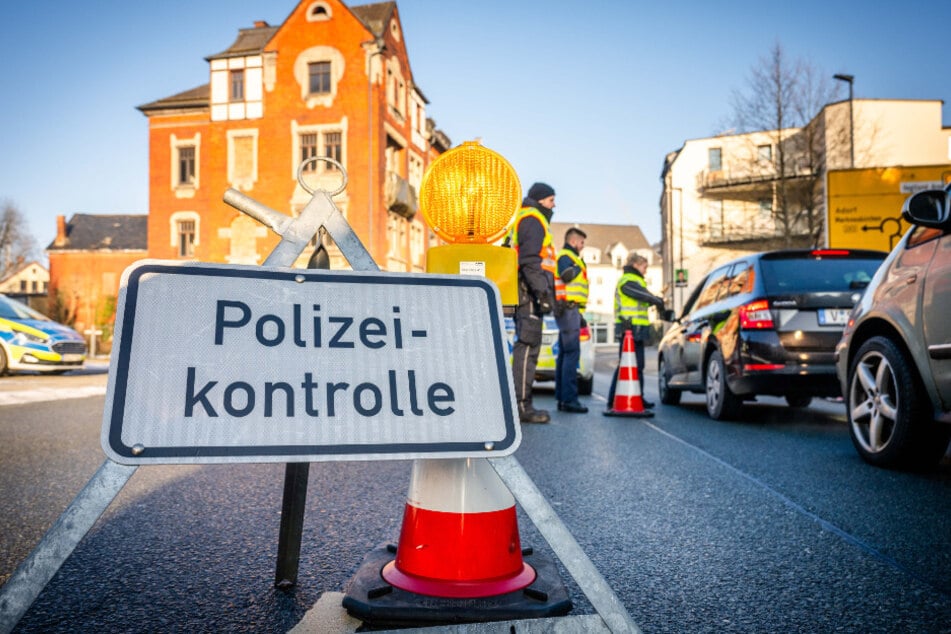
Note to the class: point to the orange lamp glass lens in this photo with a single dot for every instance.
(470, 195)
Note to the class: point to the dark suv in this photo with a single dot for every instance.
(894, 360)
(766, 323)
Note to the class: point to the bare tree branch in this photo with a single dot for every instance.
(17, 245)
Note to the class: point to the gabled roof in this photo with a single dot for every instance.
(22, 268)
(195, 98)
(375, 16)
(250, 41)
(87, 232)
(602, 237)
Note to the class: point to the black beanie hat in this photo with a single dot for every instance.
(538, 191)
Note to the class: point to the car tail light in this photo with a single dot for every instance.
(585, 333)
(763, 367)
(756, 316)
(829, 252)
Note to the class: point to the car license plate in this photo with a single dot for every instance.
(834, 316)
(72, 358)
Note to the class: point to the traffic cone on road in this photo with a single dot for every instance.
(459, 542)
(627, 394)
(460, 533)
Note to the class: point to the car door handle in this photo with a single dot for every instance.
(911, 279)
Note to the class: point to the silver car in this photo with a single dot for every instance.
(894, 359)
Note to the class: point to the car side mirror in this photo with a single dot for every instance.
(927, 208)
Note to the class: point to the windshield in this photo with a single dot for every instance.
(811, 275)
(12, 309)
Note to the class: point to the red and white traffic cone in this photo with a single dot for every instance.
(460, 533)
(459, 542)
(627, 393)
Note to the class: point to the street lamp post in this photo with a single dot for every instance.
(849, 79)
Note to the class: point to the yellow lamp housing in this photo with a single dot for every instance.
(469, 197)
(498, 264)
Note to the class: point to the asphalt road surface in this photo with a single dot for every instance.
(770, 523)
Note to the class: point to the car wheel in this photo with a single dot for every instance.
(585, 385)
(3, 361)
(888, 412)
(722, 404)
(798, 400)
(668, 395)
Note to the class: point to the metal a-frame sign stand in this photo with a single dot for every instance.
(35, 572)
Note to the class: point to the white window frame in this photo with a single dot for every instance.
(319, 17)
(302, 74)
(184, 190)
(174, 220)
(320, 129)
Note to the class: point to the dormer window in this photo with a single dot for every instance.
(237, 85)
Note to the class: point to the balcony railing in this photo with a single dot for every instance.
(733, 234)
(400, 197)
(749, 175)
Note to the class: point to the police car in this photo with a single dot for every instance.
(548, 355)
(29, 340)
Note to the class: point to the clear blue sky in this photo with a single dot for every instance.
(587, 96)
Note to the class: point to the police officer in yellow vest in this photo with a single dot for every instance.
(572, 283)
(631, 303)
(531, 237)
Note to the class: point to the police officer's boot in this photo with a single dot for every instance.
(528, 414)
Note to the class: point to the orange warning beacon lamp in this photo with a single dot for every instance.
(469, 196)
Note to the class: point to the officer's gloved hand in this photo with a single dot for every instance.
(544, 305)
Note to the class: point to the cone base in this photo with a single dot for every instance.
(373, 600)
(457, 589)
(645, 414)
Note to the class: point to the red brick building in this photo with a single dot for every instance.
(333, 81)
(87, 258)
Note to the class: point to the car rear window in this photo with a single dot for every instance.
(805, 272)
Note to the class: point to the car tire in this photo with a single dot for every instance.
(888, 413)
(4, 366)
(585, 385)
(722, 403)
(798, 400)
(668, 395)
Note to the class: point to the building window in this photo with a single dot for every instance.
(319, 73)
(318, 12)
(715, 156)
(765, 153)
(186, 165)
(308, 150)
(23, 286)
(186, 238)
(332, 149)
(237, 85)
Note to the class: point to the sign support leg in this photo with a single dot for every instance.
(567, 549)
(292, 524)
(32, 575)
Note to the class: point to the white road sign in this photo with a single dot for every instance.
(224, 363)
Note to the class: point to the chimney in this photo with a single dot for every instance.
(60, 240)
(260, 24)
